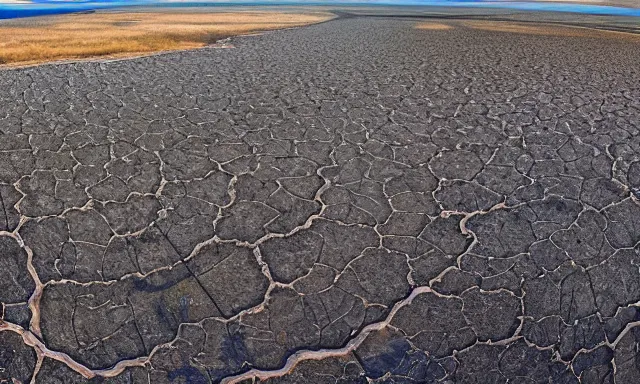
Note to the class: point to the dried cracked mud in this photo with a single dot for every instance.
(356, 201)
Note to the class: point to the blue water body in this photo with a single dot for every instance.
(44, 7)
(48, 7)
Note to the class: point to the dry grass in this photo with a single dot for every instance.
(433, 26)
(77, 36)
(548, 30)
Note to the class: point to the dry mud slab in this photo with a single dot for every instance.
(355, 201)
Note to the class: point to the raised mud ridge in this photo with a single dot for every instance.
(356, 201)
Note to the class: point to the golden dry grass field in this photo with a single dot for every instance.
(530, 29)
(434, 26)
(76, 36)
(548, 30)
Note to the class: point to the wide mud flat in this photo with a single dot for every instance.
(369, 199)
(126, 34)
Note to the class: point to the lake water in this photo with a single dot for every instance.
(44, 7)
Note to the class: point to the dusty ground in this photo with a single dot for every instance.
(358, 201)
(36, 40)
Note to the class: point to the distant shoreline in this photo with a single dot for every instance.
(23, 11)
(595, 7)
(137, 31)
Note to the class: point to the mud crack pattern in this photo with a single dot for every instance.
(356, 201)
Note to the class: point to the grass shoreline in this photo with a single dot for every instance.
(130, 34)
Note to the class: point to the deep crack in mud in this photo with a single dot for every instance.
(356, 201)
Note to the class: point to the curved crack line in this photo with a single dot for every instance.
(34, 299)
(321, 354)
(41, 349)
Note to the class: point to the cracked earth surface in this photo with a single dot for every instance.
(356, 201)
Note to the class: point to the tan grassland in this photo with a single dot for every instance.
(548, 30)
(433, 26)
(118, 34)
